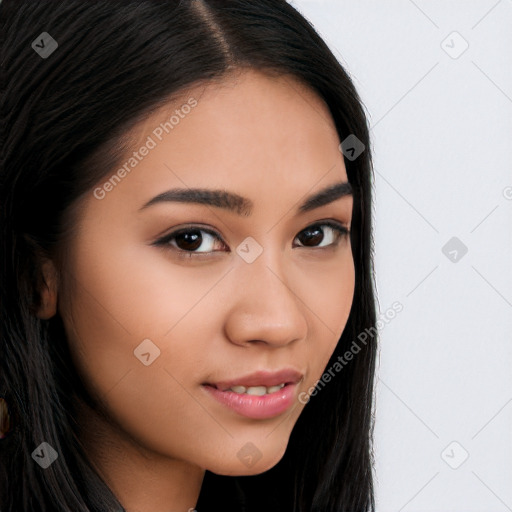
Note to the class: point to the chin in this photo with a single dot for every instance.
(247, 461)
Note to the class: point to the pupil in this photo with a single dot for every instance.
(191, 240)
(316, 237)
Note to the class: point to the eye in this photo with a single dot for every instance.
(316, 234)
(188, 240)
(195, 240)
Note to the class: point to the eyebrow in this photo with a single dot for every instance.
(243, 206)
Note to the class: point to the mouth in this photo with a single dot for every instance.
(259, 383)
(261, 395)
(255, 390)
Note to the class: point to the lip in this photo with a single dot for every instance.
(257, 407)
(261, 378)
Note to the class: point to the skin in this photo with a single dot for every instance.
(213, 317)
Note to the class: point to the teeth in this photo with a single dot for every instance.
(256, 390)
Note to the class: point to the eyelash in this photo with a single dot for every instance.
(341, 233)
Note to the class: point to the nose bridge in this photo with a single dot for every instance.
(266, 306)
(268, 271)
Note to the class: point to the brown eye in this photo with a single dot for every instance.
(311, 236)
(187, 241)
(190, 241)
(317, 233)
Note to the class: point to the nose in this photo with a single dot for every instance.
(265, 308)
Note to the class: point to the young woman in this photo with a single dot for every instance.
(186, 258)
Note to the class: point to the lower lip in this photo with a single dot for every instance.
(256, 407)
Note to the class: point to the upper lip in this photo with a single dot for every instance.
(261, 378)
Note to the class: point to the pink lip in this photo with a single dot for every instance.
(255, 407)
(261, 378)
(258, 407)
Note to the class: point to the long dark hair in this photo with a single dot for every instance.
(63, 117)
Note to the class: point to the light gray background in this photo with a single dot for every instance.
(441, 127)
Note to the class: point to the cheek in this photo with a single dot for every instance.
(118, 301)
(330, 304)
(114, 304)
(150, 402)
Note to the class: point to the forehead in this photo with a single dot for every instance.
(237, 114)
(251, 133)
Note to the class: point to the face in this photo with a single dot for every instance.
(169, 298)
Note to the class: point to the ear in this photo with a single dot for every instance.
(48, 291)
